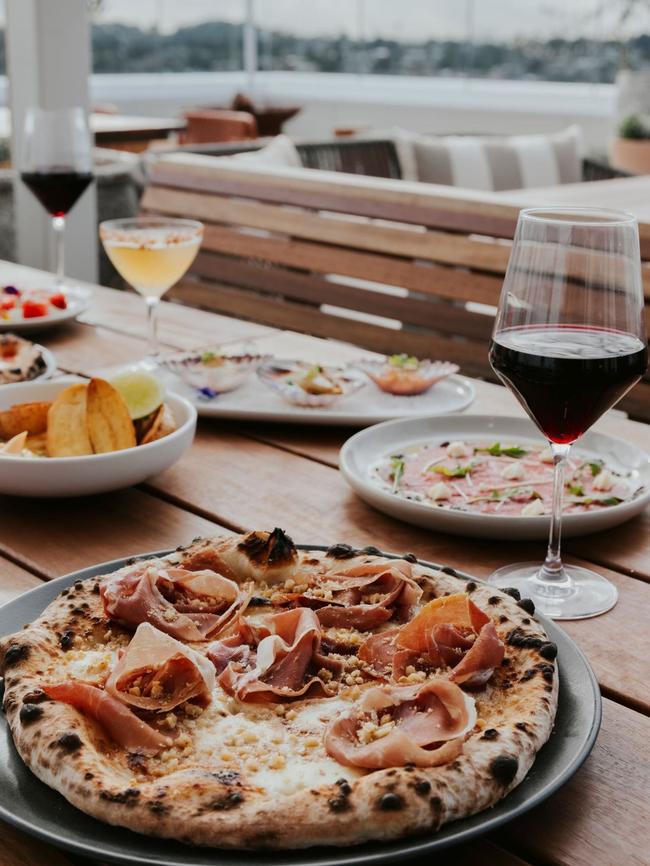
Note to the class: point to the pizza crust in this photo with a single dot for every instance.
(216, 805)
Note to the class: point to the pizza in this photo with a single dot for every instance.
(512, 479)
(242, 693)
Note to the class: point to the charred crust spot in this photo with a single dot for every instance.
(64, 592)
(528, 675)
(548, 650)
(128, 797)
(436, 804)
(341, 551)
(526, 621)
(512, 592)
(390, 802)
(340, 803)
(504, 768)
(549, 688)
(521, 726)
(447, 569)
(137, 762)
(312, 561)
(371, 550)
(95, 589)
(30, 713)
(410, 557)
(227, 777)
(69, 742)
(517, 638)
(344, 787)
(422, 787)
(490, 734)
(528, 605)
(505, 661)
(259, 601)
(132, 560)
(16, 653)
(157, 808)
(88, 776)
(494, 599)
(78, 585)
(36, 696)
(503, 618)
(66, 639)
(272, 548)
(470, 586)
(229, 801)
(547, 671)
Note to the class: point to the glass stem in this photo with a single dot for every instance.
(553, 570)
(152, 309)
(58, 224)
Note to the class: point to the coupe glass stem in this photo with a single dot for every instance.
(553, 571)
(58, 224)
(152, 326)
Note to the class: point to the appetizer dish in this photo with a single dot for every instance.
(406, 376)
(499, 478)
(212, 372)
(310, 385)
(20, 360)
(243, 693)
(17, 304)
(83, 419)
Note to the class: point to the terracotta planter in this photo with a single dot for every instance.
(630, 154)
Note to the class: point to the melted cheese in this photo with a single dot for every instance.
(90, 666)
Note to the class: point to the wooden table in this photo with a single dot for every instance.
(240, 476)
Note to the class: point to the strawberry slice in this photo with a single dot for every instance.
(59, 301)
(34, 309)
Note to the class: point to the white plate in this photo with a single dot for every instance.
(255, 401)
(96, 473)
(364, 449)
(78, 301)
(48, 372)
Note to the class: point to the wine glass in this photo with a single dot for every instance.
(57, 165)
(151, 253)
(569, 341)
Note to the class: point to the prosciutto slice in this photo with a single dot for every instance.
(157, 672)
(424, 725)
(188, 605)
(120, 723)
(277, 668)
(450, 632)
(343, 599)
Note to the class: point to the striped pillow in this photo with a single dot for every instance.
(491, 163)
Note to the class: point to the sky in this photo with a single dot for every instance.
(501, 20)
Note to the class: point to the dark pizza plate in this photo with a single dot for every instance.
(36, 809)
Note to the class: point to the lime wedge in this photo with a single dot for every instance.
(142, 392)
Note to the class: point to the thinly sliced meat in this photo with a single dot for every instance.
(289, 644)
(157, 672)
(120, 723)
(485, 654)
(230, 649)
(364, 596)
(457, 610)
(393, 726)
(188, 605)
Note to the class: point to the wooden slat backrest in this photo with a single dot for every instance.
(392, 266)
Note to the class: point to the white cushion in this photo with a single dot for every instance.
(280, 151)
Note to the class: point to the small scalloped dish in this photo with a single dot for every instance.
(406, 376)
(210, 371)
(310, 385)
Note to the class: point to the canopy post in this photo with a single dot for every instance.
(48, 65)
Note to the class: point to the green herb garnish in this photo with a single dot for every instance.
(497, 451)
(209, 356)
(596, 467)
(458, 472)
(397, 465)
(610, 500)
(575, 489)
(404, 361)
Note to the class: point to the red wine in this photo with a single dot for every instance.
(566, 377)
(57, 188)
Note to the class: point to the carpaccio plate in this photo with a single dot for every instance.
(40, 811)
(363, 453)
(77, 300)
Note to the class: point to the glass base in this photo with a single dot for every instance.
(581, 594)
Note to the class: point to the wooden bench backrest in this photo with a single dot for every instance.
(393, 267)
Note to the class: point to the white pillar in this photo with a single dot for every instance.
(48, 65)
(250, 48)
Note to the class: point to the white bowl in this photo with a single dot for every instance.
(95, 473)
(361, 452)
